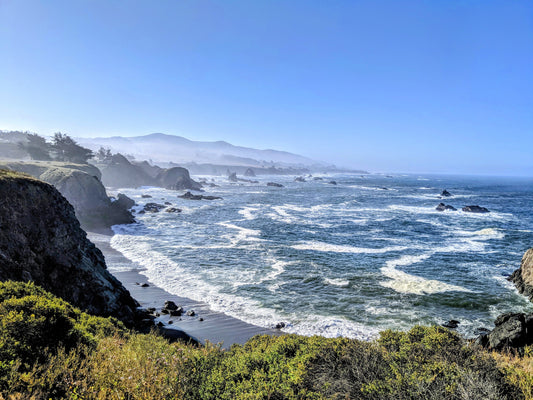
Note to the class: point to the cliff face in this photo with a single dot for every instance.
(41, 241)
(81, 186)
(523, 276)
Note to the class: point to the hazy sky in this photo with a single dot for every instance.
(421, 86)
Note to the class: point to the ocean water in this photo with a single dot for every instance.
(351, 259)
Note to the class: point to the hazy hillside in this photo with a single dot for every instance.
(165, 148)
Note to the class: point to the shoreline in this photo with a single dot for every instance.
(216, 327)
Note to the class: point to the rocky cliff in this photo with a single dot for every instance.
(523, 276)
(41, 241)
(81, 186)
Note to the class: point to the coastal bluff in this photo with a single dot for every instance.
(41, 241)
(82, 187)
(523, 276)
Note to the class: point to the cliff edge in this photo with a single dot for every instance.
(523, 276)
(42, 241)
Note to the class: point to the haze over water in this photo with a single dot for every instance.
(350, 259)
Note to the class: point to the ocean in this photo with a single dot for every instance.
(352, 259)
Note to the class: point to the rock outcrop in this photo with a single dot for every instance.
(523, 276)
(249, 172)
(511, 331)
(274, 184)
(445, 207)
(445, 193)
(120, 173)
(177, 178)
(81, 186)
(41, 241)
(475, 209)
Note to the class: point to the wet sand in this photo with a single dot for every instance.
(216, 327)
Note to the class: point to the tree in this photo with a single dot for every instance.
(66, 149)
(104, 155)
(36, 147)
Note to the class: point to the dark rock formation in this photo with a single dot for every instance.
(153, 207)
(232, 177)
(475, 209)
(41, 241)
(445, 207)
(512, 331)
(445, 193)
(274, 184)
(146, 196)
(150, 170)
(173, 210)
(523, 276)
(124, 202)
(332, 182)
(299, 179)
(317, 178)
(177, 178)
(190, 196)
(451, 324)
(249, 172)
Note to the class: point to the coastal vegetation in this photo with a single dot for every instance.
(50, 349)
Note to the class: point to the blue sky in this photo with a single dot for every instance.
(414, 86)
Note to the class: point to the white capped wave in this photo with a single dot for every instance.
(331, 327)
(403, 282)
(337, 282)
(335, 248)
(483, 234)
(243, 234)
(249, 212)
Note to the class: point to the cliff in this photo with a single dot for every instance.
(523, 276)
(81, 186)
(42, 241)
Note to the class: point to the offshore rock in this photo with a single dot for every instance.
(41, 241)
(445, 207)
(249, 172)
(177, 178)
(445, 193)
(274, 184)
(475, 209)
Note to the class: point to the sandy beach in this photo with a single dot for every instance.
(205, 325)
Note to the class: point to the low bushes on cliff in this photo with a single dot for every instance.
(49, 349)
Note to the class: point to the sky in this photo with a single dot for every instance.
(401, 86)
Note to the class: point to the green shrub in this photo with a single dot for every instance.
(35, 325)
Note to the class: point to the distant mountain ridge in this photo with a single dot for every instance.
(170, 148)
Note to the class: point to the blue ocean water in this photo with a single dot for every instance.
(351, 259)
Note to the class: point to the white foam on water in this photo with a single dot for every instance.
(243, 234)
(249, 212)
(335, 248)
(331, 327)
(483, 234)
(337, 282)
(403, 282)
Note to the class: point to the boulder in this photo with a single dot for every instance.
(173, 210)
(317, 178)
(190, 313)
(274, 184)
(332, 182)
(177, 178)
(523, 276)
(445, 207)
(124, 201)
(475, 209)
(445, 193)
(299, 179)
(511, 331)
(451, 324)
(146, 196)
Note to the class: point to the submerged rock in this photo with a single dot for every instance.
(475, 209)
(451, 324)
(299, 179)
(332, 182)
(173, 210)
(274, 184)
